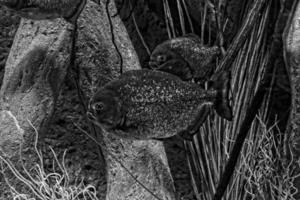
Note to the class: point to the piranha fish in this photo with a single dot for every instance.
(45, 9)
(184, 57)
(146, 104)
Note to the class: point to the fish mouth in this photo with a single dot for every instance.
(153, 64)
(101, 124)
(94, 121)
(90, 116)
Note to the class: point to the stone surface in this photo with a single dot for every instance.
(81, 159)
(34, 70)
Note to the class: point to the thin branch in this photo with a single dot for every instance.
(139, 32)
(255, 104)
(242, 35)
(131, 9)
(181, 17)
(188, 16)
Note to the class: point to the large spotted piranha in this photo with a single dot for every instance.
(145, 104)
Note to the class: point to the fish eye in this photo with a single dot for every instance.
(98, 106)
(161, 58)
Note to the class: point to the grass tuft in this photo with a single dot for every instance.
(265, 169)
(53, 184)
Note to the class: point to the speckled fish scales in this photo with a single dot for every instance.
(194, 53)
(158, 104)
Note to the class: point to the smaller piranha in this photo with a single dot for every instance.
(145, 104)
(45, 9)
(184, 57)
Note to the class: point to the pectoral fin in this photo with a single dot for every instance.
(124, 124)
(177, 67)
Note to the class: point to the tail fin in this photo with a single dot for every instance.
(221, 83)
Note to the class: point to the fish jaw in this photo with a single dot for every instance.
(153, 64)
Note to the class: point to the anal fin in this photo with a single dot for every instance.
(192, 129)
